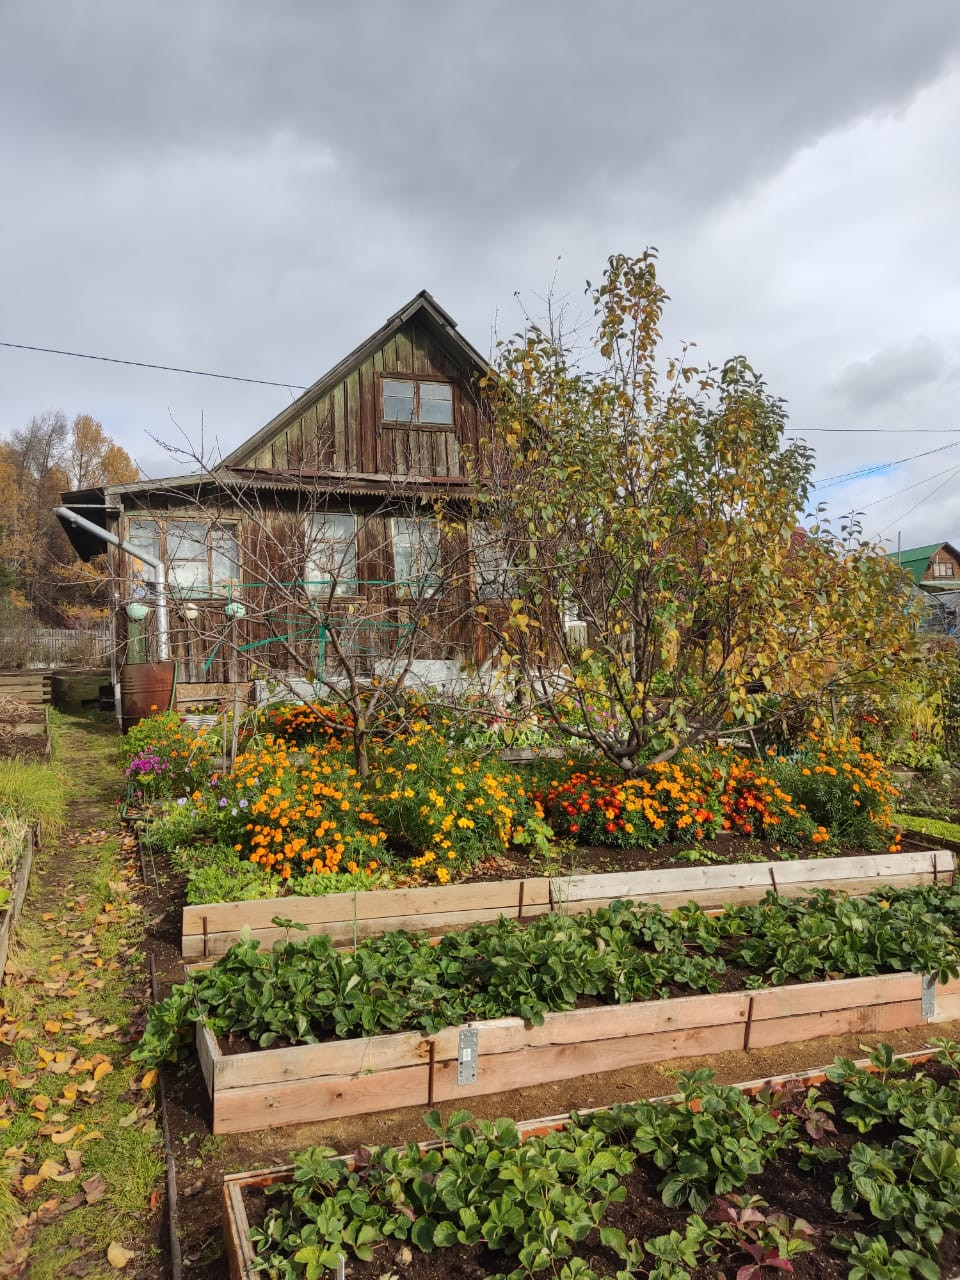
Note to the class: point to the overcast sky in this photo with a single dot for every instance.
(253, 188)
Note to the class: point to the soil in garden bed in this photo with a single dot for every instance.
(23, 730)
(784, 1186)
(725, 849)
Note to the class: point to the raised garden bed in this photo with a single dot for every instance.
(17, 884)
(243, 1193)
(271, 1087)
(24, 728)
(209, 930)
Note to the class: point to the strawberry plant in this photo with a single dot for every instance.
(304, 991)
(542, 1205)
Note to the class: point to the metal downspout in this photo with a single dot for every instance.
(157, 565)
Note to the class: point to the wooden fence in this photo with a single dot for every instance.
(55, 647)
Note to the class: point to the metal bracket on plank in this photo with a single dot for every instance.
(928, 995)
(467, 1056)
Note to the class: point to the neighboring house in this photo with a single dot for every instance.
(318, 536)
(936, 571)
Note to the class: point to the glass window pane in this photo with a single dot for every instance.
(436, 402)
(225, 559)
(144, 535)
(416, 556)
(187, 557)
(330, 562)
(397, 401)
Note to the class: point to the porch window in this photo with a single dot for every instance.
(330, 563)
(416, 556)
(495, 579)
(416, 401)
(201, 558)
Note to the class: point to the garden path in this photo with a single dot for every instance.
(77, 1126)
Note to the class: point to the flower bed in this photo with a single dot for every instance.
(853, 1166)
(519, 987)
(295, 813)
(211, 929)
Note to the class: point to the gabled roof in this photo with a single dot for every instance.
(422, 307)
(916, 559)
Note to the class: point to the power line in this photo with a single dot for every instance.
(143, 364)
(881, 466)
(903, 515)
(879, 431)
(864, 506)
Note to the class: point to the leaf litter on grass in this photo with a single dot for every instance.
(83, 1156)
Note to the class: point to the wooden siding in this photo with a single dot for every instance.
(343, 431)
(949, 574)
(276, 635)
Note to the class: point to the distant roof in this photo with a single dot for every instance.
(916, 559)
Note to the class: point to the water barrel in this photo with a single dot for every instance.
(145, 689)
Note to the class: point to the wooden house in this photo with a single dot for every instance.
(316, 545)
(933, 568)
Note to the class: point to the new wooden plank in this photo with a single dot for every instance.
(947, 1008)
(502, 1035)
(497, 1073)
(301, 1101)
(732, 897)
(836, 1022)
(842, 993)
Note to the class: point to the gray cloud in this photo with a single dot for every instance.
(252, 188)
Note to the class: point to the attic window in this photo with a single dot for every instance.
(942, 568)
(412, 400)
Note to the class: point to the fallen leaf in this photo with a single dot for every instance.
(65, 1135)
(94, 1188)
(40, 1102)
(51, 1025)
(102, 1070)
(74, 1158)
(130, 1118)
(89, 1137)
(150, 1078)
(118, 1257)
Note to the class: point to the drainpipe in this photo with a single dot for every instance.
(159, 574)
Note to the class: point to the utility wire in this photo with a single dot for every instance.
(142, 364)
(881, 466)
(879, 431)
(863, 506)
(903, 515)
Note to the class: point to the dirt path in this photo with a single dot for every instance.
(83, 1157)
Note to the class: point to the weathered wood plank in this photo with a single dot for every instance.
(697, 880)
(351, 399)
(836, 1022)
(429, 905)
